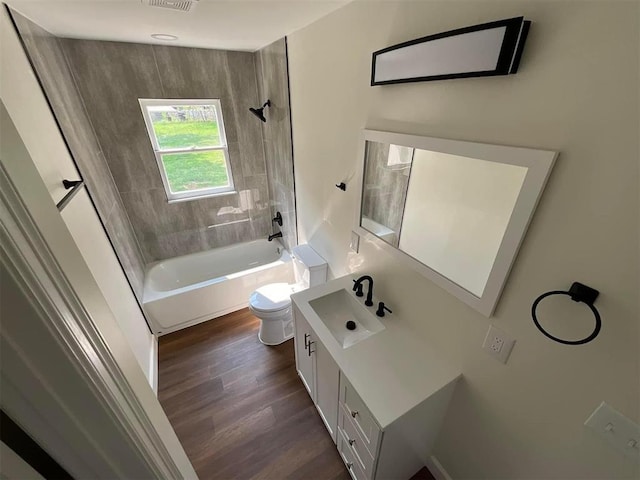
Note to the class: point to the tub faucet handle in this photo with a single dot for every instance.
(277, 218)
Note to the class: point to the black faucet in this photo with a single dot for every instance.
(275, 235)
(357, 287)
(277, 218)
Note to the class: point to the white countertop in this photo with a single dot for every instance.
(393, 370)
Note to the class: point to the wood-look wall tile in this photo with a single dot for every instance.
(237, 169)
(384, 200)
(193, 72)
(244, 94)
(258, 186)
(226, 234)
(113, 85)
(111, 77)
(134, 165)
(198, 73)
(258, 191)
(169, 245)
(219, 210)
(150, 211)
(273, 83)
(126, 247)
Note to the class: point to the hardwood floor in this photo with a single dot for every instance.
(239, 408)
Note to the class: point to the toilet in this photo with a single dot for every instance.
(272, 303)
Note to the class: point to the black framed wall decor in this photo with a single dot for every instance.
(488, 49)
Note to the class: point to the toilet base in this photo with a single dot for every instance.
(273, 344)
(275, 327)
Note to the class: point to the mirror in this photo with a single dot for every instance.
(456, 211)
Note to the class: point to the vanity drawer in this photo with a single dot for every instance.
(349, 458)
(358, 412)
(355, 440)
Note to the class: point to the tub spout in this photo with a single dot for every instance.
(275, 235)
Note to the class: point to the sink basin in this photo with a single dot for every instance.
(337, 308)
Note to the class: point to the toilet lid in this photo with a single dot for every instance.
(272, 297)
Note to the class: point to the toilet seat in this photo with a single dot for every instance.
(272, 298)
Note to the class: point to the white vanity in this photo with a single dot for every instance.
(380, 389)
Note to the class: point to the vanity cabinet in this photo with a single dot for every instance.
(304, 359)
(318, 371)
(395, 452)
(396, 442)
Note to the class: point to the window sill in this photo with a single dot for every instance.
(200, 197)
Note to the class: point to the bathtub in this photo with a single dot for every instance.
(182, 291)
(379, 230)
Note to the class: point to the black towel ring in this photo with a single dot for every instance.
(578, 293)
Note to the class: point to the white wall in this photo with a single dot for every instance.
(34, 122)
(576, 92)
(84, 225)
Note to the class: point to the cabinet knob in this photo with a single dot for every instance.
(354, 413)
(349, 465)
(351, 442)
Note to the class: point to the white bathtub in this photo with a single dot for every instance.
(379, 230)
(186, 290)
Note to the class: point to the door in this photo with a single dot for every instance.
(304, 351)
(327, 379)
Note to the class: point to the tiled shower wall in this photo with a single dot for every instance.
(112, 76)
(48, 59)
(94, 86)
(273, 84)
(385, 188)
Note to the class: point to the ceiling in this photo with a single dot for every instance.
(228, 25)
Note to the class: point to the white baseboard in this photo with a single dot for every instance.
(153, 364)
(437, 470)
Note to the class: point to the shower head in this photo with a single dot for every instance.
(259, 112)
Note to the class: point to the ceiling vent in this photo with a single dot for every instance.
(181, 5)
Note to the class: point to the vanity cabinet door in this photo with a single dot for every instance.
(304, 349)
(319, 372)
(327, 378)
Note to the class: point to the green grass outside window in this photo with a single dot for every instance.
(191, 170)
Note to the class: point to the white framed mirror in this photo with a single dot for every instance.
(454, 211)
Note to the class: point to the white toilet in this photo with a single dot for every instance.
(272, 303)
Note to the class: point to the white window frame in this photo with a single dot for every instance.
(190, 194)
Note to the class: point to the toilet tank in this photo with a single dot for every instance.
(309, 267)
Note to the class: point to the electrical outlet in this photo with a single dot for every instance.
(620, 432)
(498, 344)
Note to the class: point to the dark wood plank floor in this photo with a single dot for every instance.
(239, 408)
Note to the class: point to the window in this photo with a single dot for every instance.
(190, 146)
